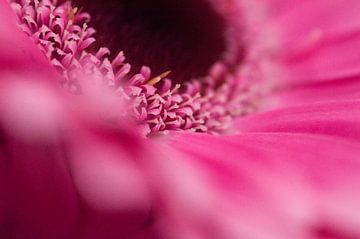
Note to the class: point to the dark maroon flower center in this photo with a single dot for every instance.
(184, 36)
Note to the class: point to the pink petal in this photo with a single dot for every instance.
(65, 173)
(40, 198)
(327, 60)
(43, 161)
(274, 185)
(115, 195)
(317, 38)
(277, 8)
(339, 118)
(340, 89)
(327, 18)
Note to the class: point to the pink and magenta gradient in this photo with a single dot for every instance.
(259, 138)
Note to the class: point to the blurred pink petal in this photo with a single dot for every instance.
(17, 51)
(71, 175)
(106, 169)
(41, 200)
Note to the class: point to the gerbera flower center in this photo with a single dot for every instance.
(183, 36)
(215, 70)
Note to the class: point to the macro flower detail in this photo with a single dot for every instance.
(179, 119)
(204, 102)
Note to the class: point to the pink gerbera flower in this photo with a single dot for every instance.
(179, 119)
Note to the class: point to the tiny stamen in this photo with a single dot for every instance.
(158, 78)
(70, 12)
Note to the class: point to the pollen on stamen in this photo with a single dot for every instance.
(158, 78)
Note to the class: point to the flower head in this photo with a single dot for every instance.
(258, 99)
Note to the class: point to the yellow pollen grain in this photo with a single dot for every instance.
(158, 78)
(70, 12)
